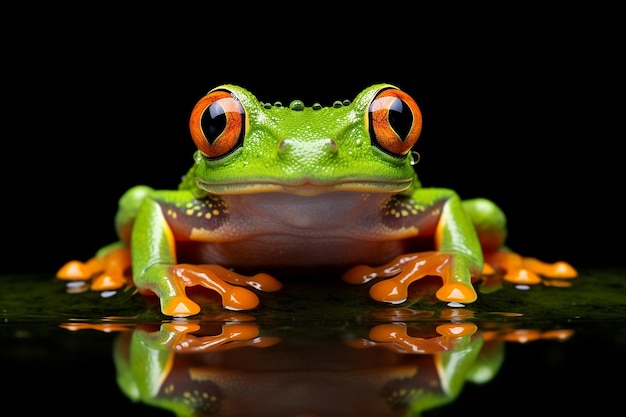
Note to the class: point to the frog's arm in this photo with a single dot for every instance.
(455, 231)
(146, 224)
(154, 260)
(456, 258)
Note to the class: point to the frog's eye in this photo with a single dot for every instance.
(395, 122)
(217, 124)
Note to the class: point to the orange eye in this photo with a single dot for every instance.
(395, 122)
(217, 124)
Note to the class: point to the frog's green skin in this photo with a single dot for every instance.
(276, 187)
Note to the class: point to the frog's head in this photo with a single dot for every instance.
(247, 146)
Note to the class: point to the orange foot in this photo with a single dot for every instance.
(170, 282)
(406, 269)
(523, 270)
(107, 272)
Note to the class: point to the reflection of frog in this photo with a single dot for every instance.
(234, 369)
(303, 187)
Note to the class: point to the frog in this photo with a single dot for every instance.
(297, 187)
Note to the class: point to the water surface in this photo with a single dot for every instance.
(317, 348)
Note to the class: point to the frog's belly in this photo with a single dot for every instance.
(291, 252)
(279, 230)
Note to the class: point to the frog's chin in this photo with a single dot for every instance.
(305, 187)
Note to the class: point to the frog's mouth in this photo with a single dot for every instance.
(305, 187)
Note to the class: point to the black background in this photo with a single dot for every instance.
(521, 104)
(517, 108)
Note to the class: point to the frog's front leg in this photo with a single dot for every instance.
(490, 223)
(456, 256)
(155, 268)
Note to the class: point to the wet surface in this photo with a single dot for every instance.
(318, 347)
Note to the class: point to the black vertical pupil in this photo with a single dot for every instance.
(213, 122)
(400, 118)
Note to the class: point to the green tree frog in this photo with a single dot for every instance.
(288, 187)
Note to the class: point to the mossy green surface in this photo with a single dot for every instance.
(597, 294)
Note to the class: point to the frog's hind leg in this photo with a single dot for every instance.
(110, 268)
(490, 223)
(107, 270)
(526, 270)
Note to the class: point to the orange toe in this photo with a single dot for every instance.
(106, 282)
(74, 271)
(553, 270)
(389, 291)
(488, 269)
(457, 293)
(238, 298)
(522, 276)
(180, 307)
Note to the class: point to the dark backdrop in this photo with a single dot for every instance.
(520, 119)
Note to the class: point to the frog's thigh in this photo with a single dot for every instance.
(489, 221)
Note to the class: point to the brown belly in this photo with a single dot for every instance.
(289, 252)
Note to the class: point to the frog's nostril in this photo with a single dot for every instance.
(285, 144)
(330, 144)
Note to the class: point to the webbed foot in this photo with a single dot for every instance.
(106, 271)
(169, 282)
(454, 270)
(525, 270)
